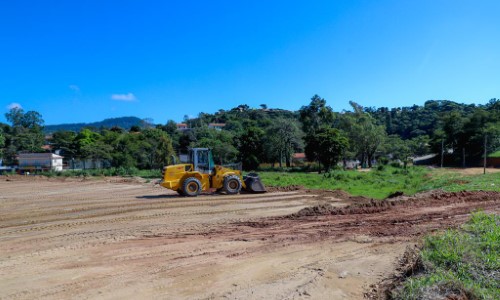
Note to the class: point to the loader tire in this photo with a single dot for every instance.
(232, 184)
(180, 192)
(191, 187)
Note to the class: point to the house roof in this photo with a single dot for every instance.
(299, 155)
(38, 155)
(425, 157)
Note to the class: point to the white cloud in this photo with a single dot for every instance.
(124, 97)
(74, 87)
(14, 105)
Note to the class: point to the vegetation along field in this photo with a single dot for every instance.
(383, 182)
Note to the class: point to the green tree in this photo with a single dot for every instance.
(135, 128)
(126, 149)
(284, 138)
(170, 127)
(326, 145)
(420, 145)
(33, 120)
(159, 148)
(89, 145)
(27, 134)
(15, 117)
(315, 115)
(65, 141)
(221, 142)
(453, 126)
(251, 148)
(365, 136)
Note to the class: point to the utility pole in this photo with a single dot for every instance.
(442, 152)
(463, 157)
(485, 141)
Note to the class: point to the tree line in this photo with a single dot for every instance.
(460, 133)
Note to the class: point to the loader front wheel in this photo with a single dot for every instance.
(191, 187)
(232, 184)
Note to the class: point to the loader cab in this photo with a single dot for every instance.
(202, 160)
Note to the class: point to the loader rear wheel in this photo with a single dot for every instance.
(191, 187)
(232, 184)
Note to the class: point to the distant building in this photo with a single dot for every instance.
(299, 156)
(350, 164)
(47, 147)
(493, 160)
(40, 162)
(5, 169)
(84, 164)
(182, 126)
(216, 126)
(429, 159)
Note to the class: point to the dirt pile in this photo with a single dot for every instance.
(375, 206)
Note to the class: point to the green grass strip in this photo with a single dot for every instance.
(462, 262)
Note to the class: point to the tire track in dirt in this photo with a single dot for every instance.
(142, 207)
(121, 207)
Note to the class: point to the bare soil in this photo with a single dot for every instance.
(128, 238)
(470, 171)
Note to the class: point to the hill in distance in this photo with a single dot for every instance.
(122, 122)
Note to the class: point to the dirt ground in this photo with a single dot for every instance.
(123, 238)
(471, 171)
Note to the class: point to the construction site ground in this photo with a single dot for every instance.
(116, 238)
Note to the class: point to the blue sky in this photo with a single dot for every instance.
(83, 61)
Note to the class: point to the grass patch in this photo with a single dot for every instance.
(376, 184)
(381, 182)
(459, 264)
(454, 182)
(495, 154)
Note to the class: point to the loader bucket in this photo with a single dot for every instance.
(253, 183)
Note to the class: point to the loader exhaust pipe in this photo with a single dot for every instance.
(253, 183)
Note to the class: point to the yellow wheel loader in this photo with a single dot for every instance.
(201, 174)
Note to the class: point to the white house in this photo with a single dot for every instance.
(40, 161)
